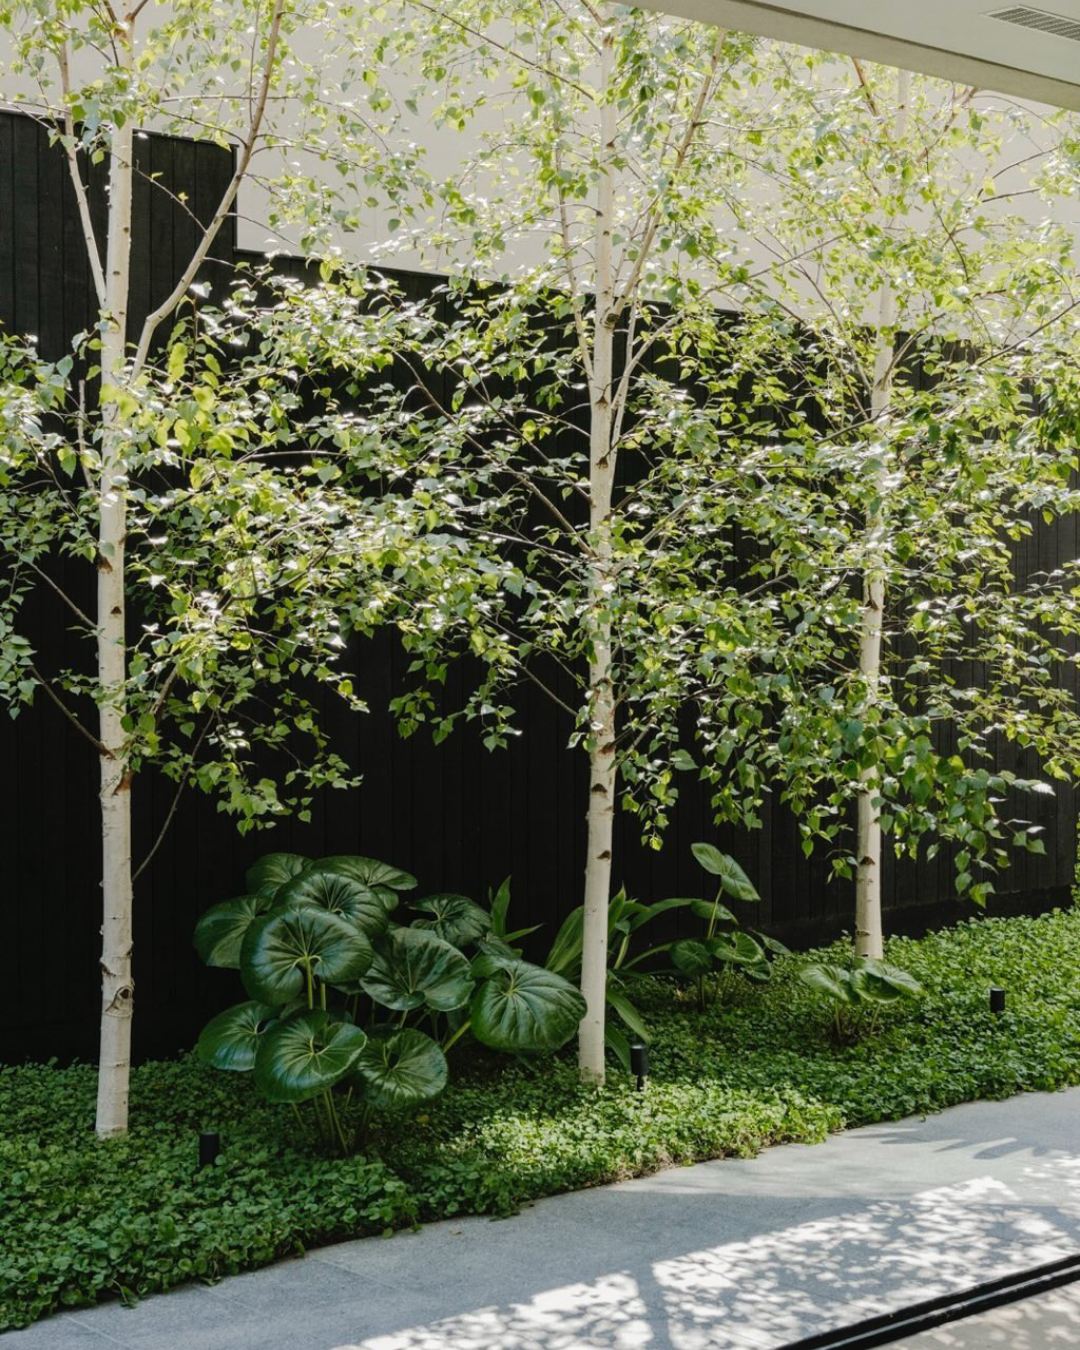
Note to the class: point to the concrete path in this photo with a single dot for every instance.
(747, 1255)
(1049, 1322)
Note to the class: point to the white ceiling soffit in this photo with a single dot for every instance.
(1028, 50)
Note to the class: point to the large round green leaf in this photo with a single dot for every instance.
(691, 957)
(369, 871)
(524, 1007)
(306, 1055)
(832, 982)
(400, 1068)
(337, 894)
(737, 949)
(454, 918)
(732, 878)
(280, 947)
(220, 931)
(883, 983)
(231, 1039)
(273, 870)
(413, 967)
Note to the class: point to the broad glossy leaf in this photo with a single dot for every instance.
(454, 918)
(704, 909)
(413, 967)
(305, 1055)
(492, 954)
(400, 1068)
(220, 931)
(885, 984)
(337, 894)
(274, 870)
(772, 944)
(738, 949)
(230, 1040)
(369, 871)
(525, 1007)
(732, 878)
(281, 946)
(691, 957)
(832, 982)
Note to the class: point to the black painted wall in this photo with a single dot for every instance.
(458, 816)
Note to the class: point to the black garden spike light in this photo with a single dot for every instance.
(639, 1063)
(997, 1000)
(209, 1147)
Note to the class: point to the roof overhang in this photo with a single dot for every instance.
(1033, 55)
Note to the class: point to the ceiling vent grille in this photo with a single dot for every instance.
(1054, 24)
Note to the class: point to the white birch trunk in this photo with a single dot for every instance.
(601, 701)
(117, 988)
(869, 931)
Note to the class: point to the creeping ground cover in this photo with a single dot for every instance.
(85, 1219)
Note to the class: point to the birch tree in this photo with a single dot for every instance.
(921, 396)
(585, 523)
(94, 75)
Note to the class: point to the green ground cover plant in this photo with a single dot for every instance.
(86, 1219)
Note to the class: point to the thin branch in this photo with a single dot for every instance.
(96, 269)
(224, 206)
(172, 810)
(71, 717)
(91, 625)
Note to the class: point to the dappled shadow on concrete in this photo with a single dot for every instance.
(774, 1287)
(1049, 1322)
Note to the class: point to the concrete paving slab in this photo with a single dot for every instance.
(739, 1254)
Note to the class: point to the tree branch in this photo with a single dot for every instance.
(96, 269)
(71, 717)
(247, 150)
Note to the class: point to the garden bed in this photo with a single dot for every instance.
(85, 1220)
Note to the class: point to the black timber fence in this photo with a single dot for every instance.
(458, 816)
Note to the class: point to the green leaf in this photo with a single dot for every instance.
(885, 984)
(305, 1055)
(220, 931)
(617, 1043)
(691, 957)
(369, 871)
(565, 951)
(230, 1040)
(336, 894)
(274, 870)
(738, 949)
(733, 879)
(525, 1007)
(281, 947)
(454, 918)
(401, 1067)
(629, 1014)
(832, 982)
(704, 909)
(500, 906)
(413, 967)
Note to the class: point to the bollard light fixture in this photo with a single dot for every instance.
(639, 1063)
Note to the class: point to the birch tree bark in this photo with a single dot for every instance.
(600, 696)
(869, 933)
(117, 986)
